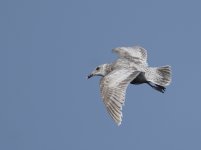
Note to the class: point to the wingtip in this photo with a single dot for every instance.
(115, 49)
(118, 123)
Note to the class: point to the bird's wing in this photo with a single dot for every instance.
(135, 54)
(113, 89)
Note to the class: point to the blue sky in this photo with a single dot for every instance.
(48, 48)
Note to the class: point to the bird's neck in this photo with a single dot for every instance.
(108, 69)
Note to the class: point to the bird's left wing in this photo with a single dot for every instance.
(113, 89)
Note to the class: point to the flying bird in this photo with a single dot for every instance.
(130, 68)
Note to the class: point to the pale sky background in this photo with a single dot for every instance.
(47, 49)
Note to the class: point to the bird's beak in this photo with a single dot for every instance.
(89, 76)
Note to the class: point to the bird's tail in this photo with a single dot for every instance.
(159, 75)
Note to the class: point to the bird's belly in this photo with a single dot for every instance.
(139, 79)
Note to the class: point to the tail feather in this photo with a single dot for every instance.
(160, 76)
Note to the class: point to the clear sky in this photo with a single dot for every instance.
(47, 49)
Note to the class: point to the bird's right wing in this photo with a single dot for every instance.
(113, 88)
(134, 54)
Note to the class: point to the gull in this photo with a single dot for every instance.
(130, 68)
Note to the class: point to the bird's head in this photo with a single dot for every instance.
(99, 71)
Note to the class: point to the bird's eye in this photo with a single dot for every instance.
(97, 68)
